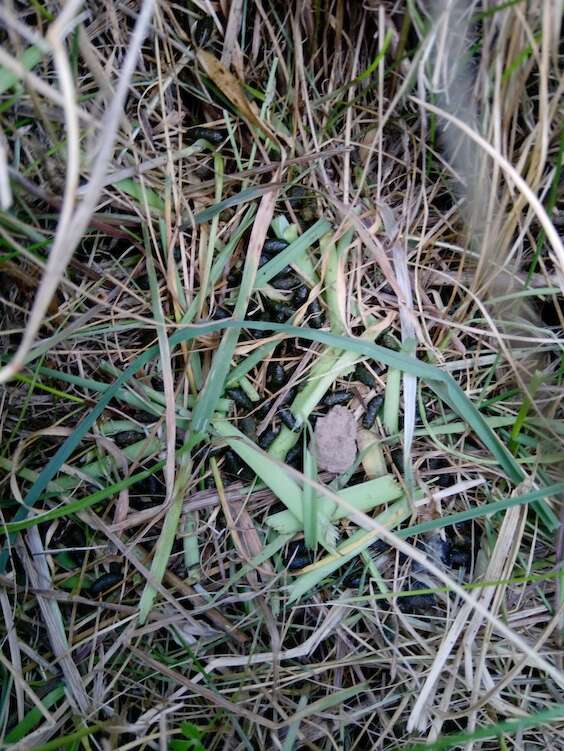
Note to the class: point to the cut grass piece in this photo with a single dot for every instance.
(310, 502)
(359, 541)
(292, 253)
(390, 416)
(364, 497)
(141, 194)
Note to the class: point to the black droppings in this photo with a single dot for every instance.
(281, 311)
(240, 398)
(372, 408)
(296, 196)
(203, 31)
(287, 417)
(362, 374)
(295, 456)
(221, 314)
(284, 281)
(300, 296)
(248, 426)
(316, 318)
(416, 603)
(297, 556)
(461, 557)
(288, 396)
(211, 136)
(235, 467)
(267, 438)
(271, 247)
(336, 397)
(275, 376)
(104, 582)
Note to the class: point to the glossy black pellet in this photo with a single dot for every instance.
(296, 195)
(272, 247)
(461, 557)
(240, 398)
(275, 375)
(416, 603)
(295, 456)
(267, 438)
(104, 582)
(284, 282)
(362, 374)
(212, 136)
(287, 418)
(288, 396)
(235, 467)
(234, 277)
(300, 296)
(203, 30)
(372, 409)
(232, 463)
(221, 314)
(297, 556)
(127, 437)
(315, 314)
(248, 426)
(336, 397)
(281, 312)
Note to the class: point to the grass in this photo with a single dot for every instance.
(151, 344)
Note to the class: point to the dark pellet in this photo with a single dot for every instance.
(234, 277)
(267, 438)
(362, 374)
(296, 195)
(336, 397)
(203, 30)
(297, 556)
(275, 375)
(284, 282)
(300, 295)
(372, 409)
(295, 456)
(221, 314)
(272, 247)
(212, 136)
(315, 313)
(288, 396)
(248, 426)
(461, 557)
(104, 582)
(287, 418)
(240, 398)
(281, 312)
(416, 603)
(127, 437)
